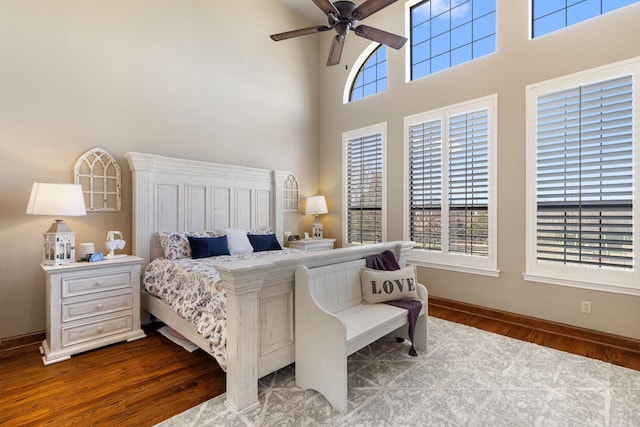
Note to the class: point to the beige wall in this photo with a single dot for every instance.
(190, 79)
(185, 78)
(517, 62)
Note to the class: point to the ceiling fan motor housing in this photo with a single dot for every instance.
(345, 20)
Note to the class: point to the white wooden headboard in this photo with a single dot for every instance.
(171, 194)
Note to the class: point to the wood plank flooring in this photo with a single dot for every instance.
(138, 383)
(147, 381)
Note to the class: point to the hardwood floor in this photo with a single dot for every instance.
(138, 383)
(147, 381)
(609, 348)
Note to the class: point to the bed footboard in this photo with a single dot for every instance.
(260, 337)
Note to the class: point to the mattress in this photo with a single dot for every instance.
(193, 289)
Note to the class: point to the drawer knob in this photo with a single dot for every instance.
(99, 283)
(100, 328)
(99, 306)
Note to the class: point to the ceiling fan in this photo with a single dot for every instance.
(344, 16)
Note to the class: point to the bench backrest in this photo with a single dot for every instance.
(336, 287)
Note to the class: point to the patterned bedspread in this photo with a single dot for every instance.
(192, 287)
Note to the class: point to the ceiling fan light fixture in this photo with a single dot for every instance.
(343, 16)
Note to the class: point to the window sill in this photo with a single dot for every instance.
(457, 268)
(614, 288)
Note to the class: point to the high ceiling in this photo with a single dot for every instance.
(307, 9)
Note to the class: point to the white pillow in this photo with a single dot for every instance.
(388, 285)
(238, 241)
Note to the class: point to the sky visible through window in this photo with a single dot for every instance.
(446, 33)
(552, 15)
(372, 77)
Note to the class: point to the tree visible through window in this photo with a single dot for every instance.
(585, 175)
(467, 190)
(446, 33)
(364, 185)
(451, 207)
(582, 180)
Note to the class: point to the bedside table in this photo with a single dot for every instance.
(312, 244)
(90, 305)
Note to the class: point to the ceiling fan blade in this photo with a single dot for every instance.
(300, 32)
(370, 7)
(327, 7)
(335, 52)
(380, 36)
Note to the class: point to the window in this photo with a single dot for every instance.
(364, 185)
(551, 15)
(372, 76)
(451, 186)
(581, 174)
(448, 33)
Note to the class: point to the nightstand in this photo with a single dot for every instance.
(90, 305)
(312, 244)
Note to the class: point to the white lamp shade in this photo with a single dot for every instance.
(316, 205)
(56, 200)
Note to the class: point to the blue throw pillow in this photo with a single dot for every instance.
(204, 247)
(264, 242)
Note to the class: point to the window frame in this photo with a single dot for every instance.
(482, 265)
(565, 8)
(409, 51)
(379, 128)
(580, 276)
(361, 70)
(355, 71)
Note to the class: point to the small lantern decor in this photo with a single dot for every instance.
(57, 200)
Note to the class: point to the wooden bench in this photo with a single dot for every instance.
(332, 322)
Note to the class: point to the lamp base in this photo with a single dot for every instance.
(316, 229)
(59, 245)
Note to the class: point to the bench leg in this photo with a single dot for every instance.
(326, 374)
(419, 333)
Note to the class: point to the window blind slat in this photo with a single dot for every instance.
(584, 175)
(425, 184)
(468, 183)
(364, 189)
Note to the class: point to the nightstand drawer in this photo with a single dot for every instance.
(80, 309)
(95, 283)
(312, 244)
(90, 331)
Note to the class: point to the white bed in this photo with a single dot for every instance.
(171, 194)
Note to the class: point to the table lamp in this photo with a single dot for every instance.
(57, 200)
(316, 205)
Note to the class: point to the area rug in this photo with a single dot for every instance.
(467, 377)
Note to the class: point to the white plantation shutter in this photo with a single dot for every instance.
(584, 175)
(469, 182)
(425, 184)
(364, 189)
(450, 185)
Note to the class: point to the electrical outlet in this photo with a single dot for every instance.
(586, 307)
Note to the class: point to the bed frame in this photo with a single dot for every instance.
(171, 194)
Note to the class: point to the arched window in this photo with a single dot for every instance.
(372, 75)
(99, 175)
